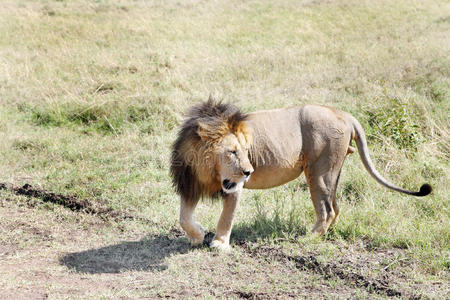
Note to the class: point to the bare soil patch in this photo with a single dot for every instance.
(309, 262)
(343, 268)
(72, 202)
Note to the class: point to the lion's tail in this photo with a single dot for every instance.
(360, 137)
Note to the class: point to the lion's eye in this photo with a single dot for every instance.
(234, 152)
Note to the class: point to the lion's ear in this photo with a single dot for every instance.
(202, 131)
(209, 131)
(247, 132)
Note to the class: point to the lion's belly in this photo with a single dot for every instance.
(268, 177)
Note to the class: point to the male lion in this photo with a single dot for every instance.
(219, 147)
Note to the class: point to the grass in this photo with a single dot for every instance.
(91, 93)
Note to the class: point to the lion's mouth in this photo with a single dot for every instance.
(228, 185)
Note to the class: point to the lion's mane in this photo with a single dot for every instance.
(192, 162)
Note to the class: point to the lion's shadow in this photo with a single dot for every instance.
(147, 254)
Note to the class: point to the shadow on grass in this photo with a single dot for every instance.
(147, 254)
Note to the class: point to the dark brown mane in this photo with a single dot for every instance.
(190, 150)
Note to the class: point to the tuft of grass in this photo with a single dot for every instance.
(104, 116)
(281, 221)
(29, 145)
(395, 119)
(352, 191)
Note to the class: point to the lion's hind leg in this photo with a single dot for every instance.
(322, 179)
(194, 231)
(322, 204)
(336, 212)
(334, 202)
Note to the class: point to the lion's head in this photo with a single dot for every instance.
(211, 151)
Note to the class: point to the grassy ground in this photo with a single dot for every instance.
(91, 93)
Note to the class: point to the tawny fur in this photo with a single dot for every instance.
(218, 145)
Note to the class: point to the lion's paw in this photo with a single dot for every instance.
(220, 246)
(198, 238)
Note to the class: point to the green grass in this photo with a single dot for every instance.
(91, 93)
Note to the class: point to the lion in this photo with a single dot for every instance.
(221, 150)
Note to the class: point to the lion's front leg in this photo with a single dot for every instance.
(194, 231)
(221, 240)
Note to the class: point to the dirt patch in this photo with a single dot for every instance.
(251, 296)
(42, 234)
(331, 270)
(73, 203)
(262, 296)
(7, 249)
(309, 262)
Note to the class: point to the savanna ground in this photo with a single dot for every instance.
(91, 95)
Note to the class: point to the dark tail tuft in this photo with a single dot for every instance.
(424, 190)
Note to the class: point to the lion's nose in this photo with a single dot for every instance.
(247, 173)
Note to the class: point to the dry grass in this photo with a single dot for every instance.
(91, 93)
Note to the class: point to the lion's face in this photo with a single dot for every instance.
(233, 165)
